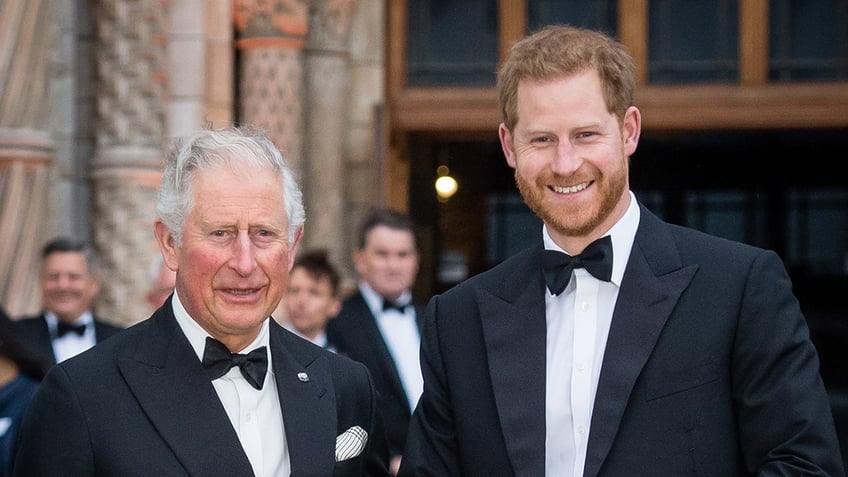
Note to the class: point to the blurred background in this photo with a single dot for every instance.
(743, 101)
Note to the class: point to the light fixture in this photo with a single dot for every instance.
(446, 186)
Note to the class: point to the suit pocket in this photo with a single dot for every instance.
(669, 382)
(348, 467)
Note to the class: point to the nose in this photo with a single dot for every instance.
(297, 298)
(243, 260)
(566, 159)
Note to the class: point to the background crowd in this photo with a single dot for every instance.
(615, 343)
(377, 324)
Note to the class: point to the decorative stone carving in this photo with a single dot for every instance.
(130, 134)
(271, 36)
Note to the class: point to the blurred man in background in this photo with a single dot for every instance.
(69, 281)
(379, 325)
(312, 297)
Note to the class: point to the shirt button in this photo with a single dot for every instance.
(581, 430)
(584, 306)
(248, 416)
(580, 367)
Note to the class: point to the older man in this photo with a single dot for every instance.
(210, 384)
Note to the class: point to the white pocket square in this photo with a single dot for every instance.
(350, 443)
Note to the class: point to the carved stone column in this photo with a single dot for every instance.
(27, 37)
(271, 35)
(327, 80)
(129, 137)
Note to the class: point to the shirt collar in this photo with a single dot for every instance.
(320, 339)
(197, 335)
(375, 301)
(87, 318)
(622, 234)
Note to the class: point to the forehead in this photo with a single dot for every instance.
(582, 87)
(301, 276)
(221, 191)
(65, 261)
(386, 238)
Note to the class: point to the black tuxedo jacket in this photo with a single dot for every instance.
(35, 335)
(708, 370)
(141, 404)
(355, 334)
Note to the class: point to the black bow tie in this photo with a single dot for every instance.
(596, 259)
(217, 360)
(64, 328)
(391, 305)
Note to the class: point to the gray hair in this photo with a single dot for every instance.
(230, 146)
(69, 245)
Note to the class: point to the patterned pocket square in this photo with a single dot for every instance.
(350, 443)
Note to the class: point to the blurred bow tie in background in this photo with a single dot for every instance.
(64, 328)
(390, 305)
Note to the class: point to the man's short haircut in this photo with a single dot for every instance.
(317, 264)
(69, 245)
(387, 218)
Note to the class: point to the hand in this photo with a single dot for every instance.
(394, 464)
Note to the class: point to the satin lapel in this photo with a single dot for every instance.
(308, 402)
(376, 342)
(651, 287)
(172, 388)
(44, 344)
(513, 318)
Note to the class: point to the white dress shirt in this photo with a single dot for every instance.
(319, 340)
(71, 344)
(400, 332)
(578, 322)
(256, 415)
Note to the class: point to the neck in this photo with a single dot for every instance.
(8, 372)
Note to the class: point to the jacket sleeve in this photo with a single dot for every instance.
(785, 423)
(431, 448)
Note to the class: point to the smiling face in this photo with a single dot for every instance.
(67, 285)
(570, 156)
(233, 263)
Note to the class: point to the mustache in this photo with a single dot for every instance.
(62, 293)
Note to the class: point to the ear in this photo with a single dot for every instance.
(631, 128)
(294, 245)
(95, 284)
(334, 308)
(507, 144)
(167, 244)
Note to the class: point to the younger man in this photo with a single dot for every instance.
(312, 297)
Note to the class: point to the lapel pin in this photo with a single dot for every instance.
(303, 377)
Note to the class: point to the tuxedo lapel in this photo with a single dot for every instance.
(376, 342)
(44, 343)
(651, 287)
(34, 334)
(165, 370)
(512, 312)
(308, 403)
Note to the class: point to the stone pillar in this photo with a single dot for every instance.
(129, 134)
(327, 80)
(364, 150)
(271, 37)
(27, 150)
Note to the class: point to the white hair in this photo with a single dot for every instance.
(235, 147)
